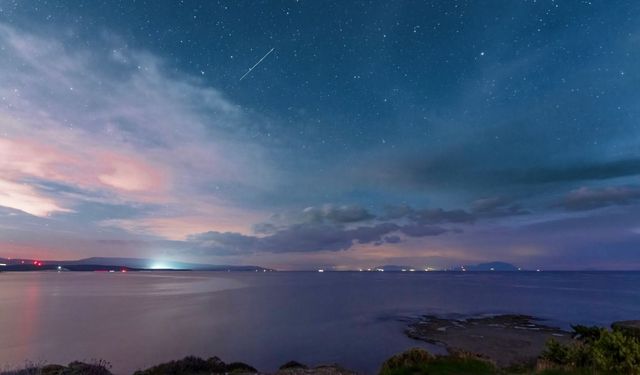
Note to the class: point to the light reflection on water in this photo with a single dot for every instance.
(139, 319)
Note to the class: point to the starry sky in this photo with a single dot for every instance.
(417, 133)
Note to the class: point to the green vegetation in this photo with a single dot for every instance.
(293, 365)
(419, 361)
(97, 367)
(596, 351)
(197, 366)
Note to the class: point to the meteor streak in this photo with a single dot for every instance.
(259, 61)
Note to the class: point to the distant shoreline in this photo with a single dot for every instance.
(101, 268)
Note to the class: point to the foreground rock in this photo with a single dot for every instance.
(504, 339)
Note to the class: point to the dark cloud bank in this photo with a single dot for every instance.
(592, 198)
(336, 228)
(455, 170)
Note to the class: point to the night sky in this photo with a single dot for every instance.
(417, 133)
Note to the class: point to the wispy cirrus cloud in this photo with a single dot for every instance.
(117, 123)
(23, 197)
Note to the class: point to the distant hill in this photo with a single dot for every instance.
(97, 263)
(154, 264)
(492, 266)
(66, 268)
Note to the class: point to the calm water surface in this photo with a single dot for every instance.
(135, 320)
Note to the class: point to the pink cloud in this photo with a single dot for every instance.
(131, 174)
(21, 157)
(124, 175)
(194, 220)
(24, 197)
(120, 129)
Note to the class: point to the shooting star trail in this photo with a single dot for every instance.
(259, 61)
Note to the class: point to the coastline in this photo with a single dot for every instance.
(508, 339)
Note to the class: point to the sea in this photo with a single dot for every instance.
(356, 319)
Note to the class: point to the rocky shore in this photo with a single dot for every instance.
(504, 339)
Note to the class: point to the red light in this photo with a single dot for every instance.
(123, 270)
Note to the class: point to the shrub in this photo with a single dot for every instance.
(616, 352)
(240, 367)
(598, 350)
(580, 355)
(292, 364)
(197, 366)
(96, 367)
(187, 365)
(556, 353)
(216, 365)
(411, 361)
(419, 361)
(587, 334)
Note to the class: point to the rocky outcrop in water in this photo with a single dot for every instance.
(505, 339)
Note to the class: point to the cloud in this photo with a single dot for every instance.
(428, 216)
(455, 170)
(416, 230)
(336, 214)
(125, 174)
(118, 123)
(305, 237)
(585, 171)
(586, 198)
(497, 207)
(264, 228)
(129, 174)
(26, 198)
(440, 216)
(397, 212)
(328, 228)
(392, 239)
(178, 225)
